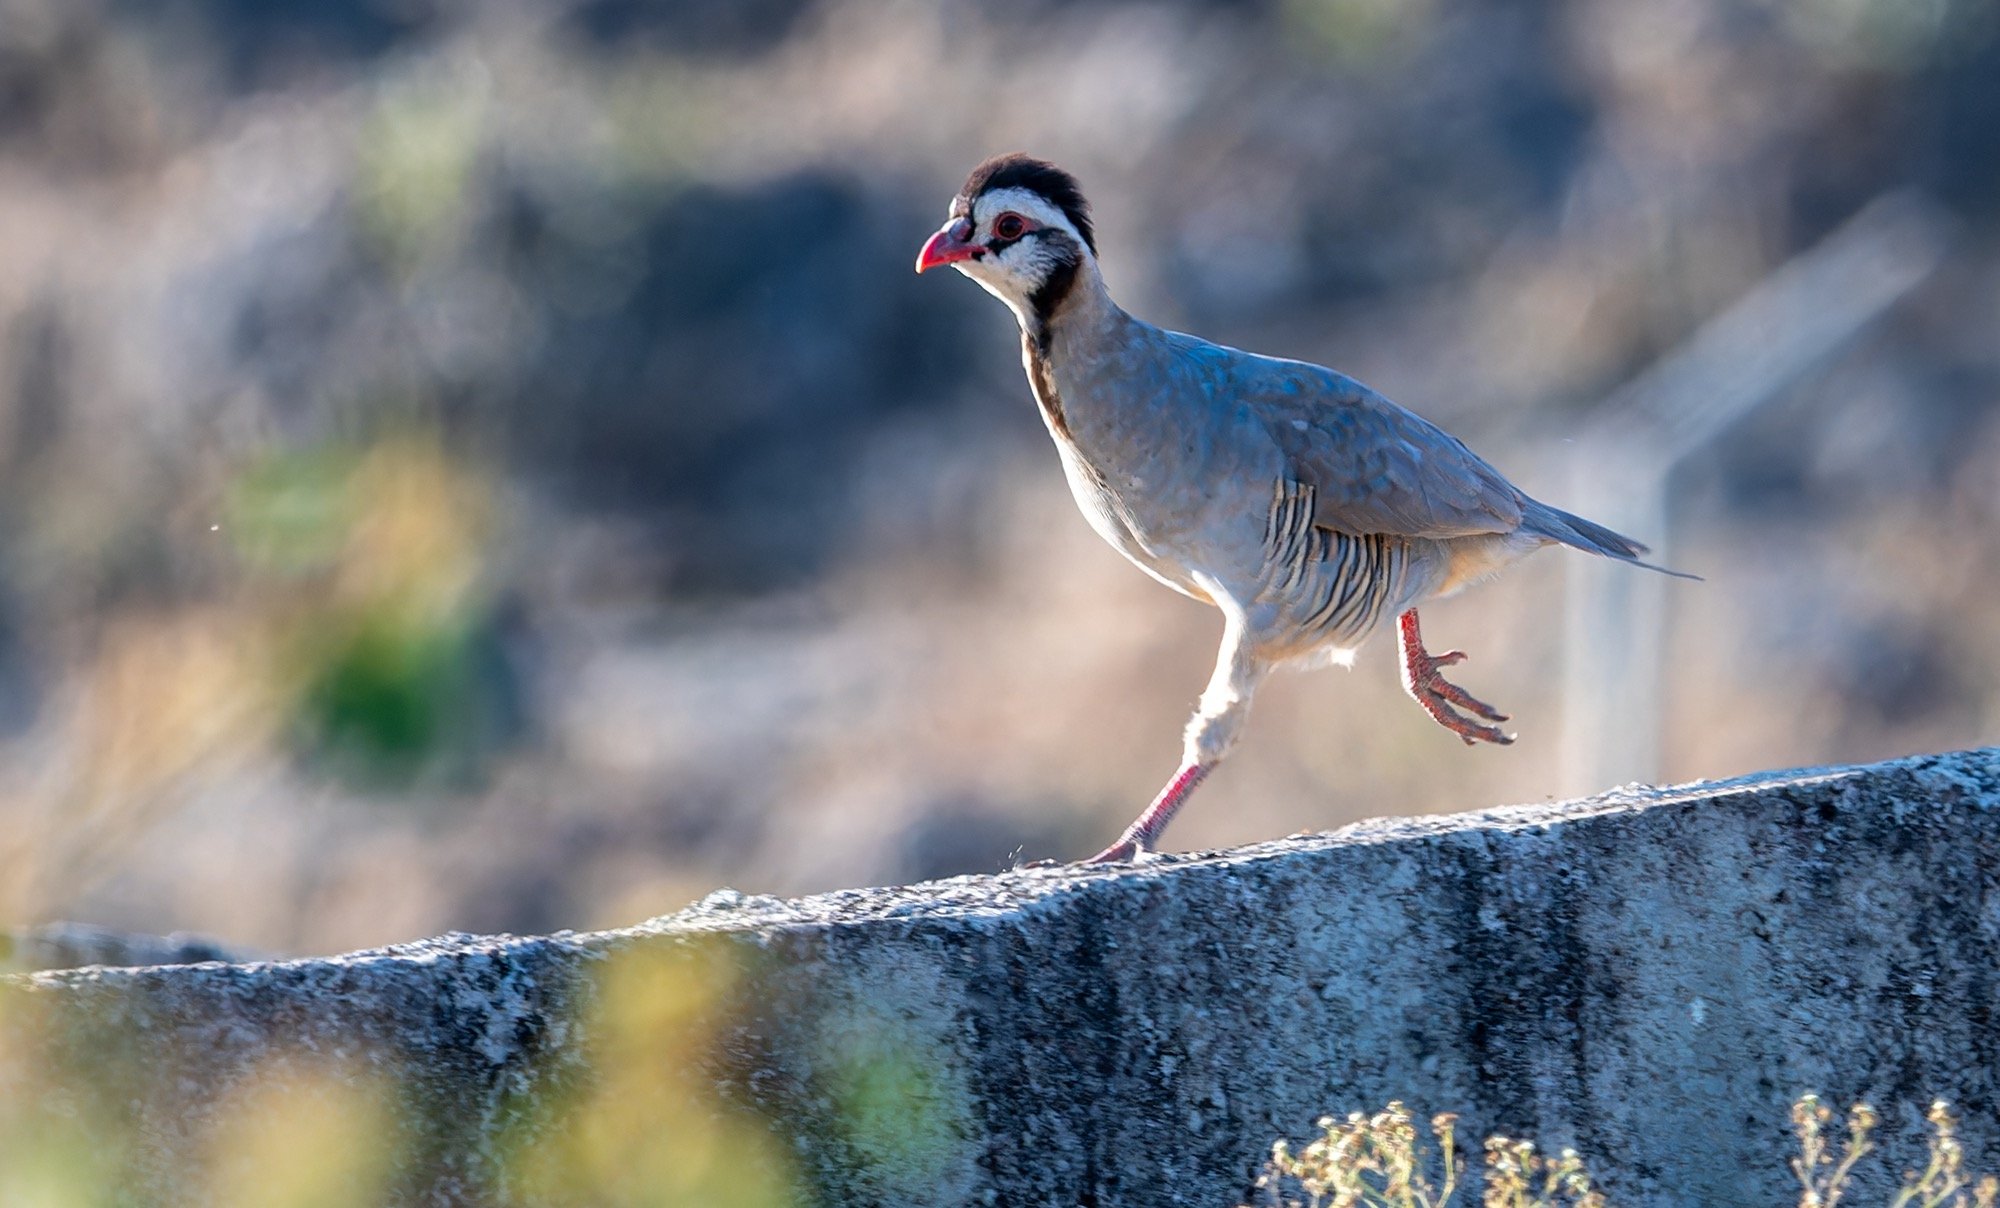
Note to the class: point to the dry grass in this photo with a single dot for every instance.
(1824, 1177)
(1382, 1161)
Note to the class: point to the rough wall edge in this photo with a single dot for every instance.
(1647, 975)
(995, 895)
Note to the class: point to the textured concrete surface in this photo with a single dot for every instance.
(1650, 976)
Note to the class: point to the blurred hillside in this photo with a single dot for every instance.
(492, 467)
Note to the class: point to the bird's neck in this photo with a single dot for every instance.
(1072, 310)
(1073, 302)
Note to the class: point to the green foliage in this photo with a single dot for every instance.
(371, 558)
(289, 513)
(416, 161)
(385, 703)
(1360, 35)
(895, 1102)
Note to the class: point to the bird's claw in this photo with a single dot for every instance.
(1456, 695)
(1470, 732)
(1437, 695)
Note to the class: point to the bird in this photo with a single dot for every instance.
(1307, 508)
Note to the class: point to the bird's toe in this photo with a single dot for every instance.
(1438, 697)
(1473, 733)
(1125, 851)
(1443, 689)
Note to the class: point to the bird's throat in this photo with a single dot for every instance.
(1069, 305)
(1048, 300)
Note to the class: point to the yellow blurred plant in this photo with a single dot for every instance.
(647, 1128)
(166, 701)
(303, 1134)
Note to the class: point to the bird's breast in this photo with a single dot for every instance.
(1115, 511)
(1153, 459)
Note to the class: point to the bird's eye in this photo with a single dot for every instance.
(1009, 226)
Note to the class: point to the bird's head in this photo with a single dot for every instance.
(1019, 227)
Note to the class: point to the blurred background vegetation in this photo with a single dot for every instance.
(490, 466)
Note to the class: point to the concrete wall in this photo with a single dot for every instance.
(1650, 976)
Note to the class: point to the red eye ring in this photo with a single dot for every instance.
(1010, 226)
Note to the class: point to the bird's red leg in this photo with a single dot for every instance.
(1138, 837)
(1437, 694)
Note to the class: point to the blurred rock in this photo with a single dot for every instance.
(727, 388)
(690, 27)
(77, 945)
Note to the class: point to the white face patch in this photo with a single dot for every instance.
(1020, 268)
(1023, 202)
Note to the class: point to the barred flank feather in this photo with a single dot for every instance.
(1359, 572)
(1341, 582)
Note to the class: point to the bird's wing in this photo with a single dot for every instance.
(1374, 467)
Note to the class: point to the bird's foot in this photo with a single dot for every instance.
(1121, 853)
(1437, 695)
(1136, 844)
(1125, 851)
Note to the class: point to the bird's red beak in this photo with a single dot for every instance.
(952, 243)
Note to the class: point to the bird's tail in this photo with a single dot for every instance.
(1578, 533)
